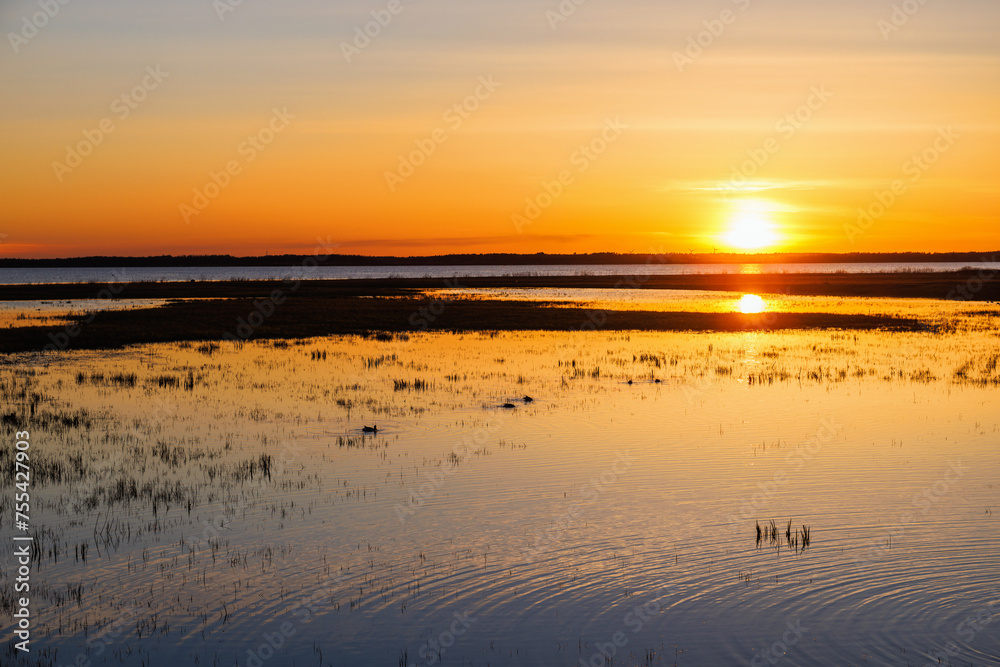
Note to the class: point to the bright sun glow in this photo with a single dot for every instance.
(751, 303)
(751, 226)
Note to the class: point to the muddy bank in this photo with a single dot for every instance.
(302, 315)
(965, 285)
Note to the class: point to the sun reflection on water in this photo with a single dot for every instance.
(751, 303)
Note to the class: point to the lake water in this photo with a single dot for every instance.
(234, 512)
(10, 276)
(935, 312)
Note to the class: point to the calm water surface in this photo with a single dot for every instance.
(202, 273)
(233, 511)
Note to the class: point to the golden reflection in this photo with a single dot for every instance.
(751, 303)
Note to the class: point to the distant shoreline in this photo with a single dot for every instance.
(497, 259)
(247, 310)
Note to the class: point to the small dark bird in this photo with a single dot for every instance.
(370, 429)
(508, 406)
(630, 381)
(527, 399)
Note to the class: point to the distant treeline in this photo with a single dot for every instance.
(501, 259)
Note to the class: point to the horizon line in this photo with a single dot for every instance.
(594, 258)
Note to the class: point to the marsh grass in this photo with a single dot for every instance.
(414, 385)
(797, 539)
(119, 379)
(183, 497)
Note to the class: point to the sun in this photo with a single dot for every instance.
(750, 232)
(751, 227)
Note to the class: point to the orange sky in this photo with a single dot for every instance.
(606, 132)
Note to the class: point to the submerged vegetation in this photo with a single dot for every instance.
(222, 479)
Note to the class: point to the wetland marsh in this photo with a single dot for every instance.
(220, 503)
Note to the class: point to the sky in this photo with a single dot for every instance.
(415, 127)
